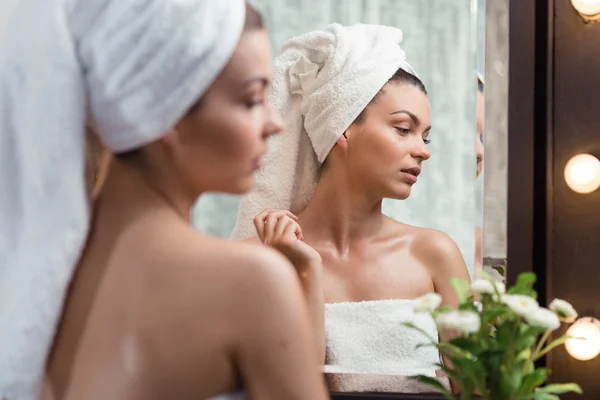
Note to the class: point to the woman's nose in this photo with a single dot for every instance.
(273, 124)
(421, 151)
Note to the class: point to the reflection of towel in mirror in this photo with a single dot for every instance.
(368, 338)
(135, 68)
(322, 81)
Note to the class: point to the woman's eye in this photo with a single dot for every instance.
(426, 141)
(403, 131)
(254, 103)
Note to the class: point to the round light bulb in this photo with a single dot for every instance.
(588, 8)
(585, 342)
(582, 173)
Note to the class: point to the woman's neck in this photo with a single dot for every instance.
(341, 212)
(131, 186)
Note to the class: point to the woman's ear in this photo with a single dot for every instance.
(170, 137)
(342, 141)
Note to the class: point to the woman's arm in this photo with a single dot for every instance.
(280, 230)
(276, 352)
(444, 260)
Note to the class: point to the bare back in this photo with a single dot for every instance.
(157, 310)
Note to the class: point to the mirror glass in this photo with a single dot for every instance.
(368, 349)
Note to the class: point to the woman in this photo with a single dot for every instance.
(479, 180)
(154, 310)
(367, 115)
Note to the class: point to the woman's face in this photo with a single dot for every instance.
(387, 149)
(479, 135)
(219, 145)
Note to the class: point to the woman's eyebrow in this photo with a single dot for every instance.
(412, 116)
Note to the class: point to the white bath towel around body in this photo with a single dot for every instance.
(368, 338)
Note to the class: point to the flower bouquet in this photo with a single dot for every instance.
(496, 341)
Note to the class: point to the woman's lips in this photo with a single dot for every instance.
(257, 163)
(409, 178)
(411, 174)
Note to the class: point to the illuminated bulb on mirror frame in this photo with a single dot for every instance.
(582, 173)
(585, 342)
(589, 9)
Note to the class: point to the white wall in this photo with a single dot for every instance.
(6, 7)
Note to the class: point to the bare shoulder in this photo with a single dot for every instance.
(441, 255)
(435, 245)
(434, 248)
(210, 259)
(202, 278)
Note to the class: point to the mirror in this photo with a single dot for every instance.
(445, 41)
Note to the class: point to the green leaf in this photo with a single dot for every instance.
(433, 382)
(527, 366)
(533, 380)
(442, 309)
(454, 352)
(526, 280)
(452, 374)
(524, 355)
(524, 342)
(545, 396)
(492, 313)
(468, 305)
(524, 291)
(461, 287)
(505, 387)
(560, 388)
(468, 344)
(506, 333)
(473, 373)
(415, 327)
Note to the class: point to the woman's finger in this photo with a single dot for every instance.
(281, 213)
(270, 224)
(292, 229)
(282, 225)
(291, 215)
(259, 222)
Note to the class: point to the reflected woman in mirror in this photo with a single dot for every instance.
(479, 180)
(152, 309)
(356, 131)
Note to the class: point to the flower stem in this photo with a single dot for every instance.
(540, 344)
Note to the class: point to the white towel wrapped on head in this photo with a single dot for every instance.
(322, 81)
(135, 67)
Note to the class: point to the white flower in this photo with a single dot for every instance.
(428, 302)
(520, 303)
(564, 310)
(462, 321)
(487, 286)
(543, 318)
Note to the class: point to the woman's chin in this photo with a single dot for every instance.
(402, 194)
(243, 185)
(238, 187)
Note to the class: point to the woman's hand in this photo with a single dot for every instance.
(280, 229)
